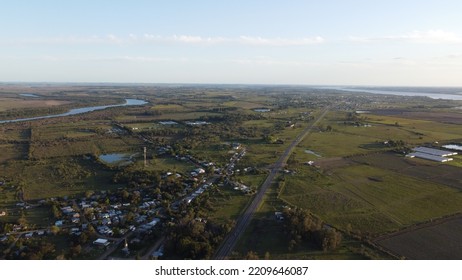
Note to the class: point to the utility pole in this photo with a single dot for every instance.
(145, 162)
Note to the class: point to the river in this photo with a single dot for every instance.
(433, 95)
(128, 102)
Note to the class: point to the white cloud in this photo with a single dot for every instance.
(179, 39)
(280, 41)
(432, 36)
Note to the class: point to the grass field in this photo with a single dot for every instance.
(370, 199)
(435, 241)
(18, 103)
(228, 204)
(58, 177)
(357, 185)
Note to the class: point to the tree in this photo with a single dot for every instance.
(251, 255)
(54, 229)
(329, 239)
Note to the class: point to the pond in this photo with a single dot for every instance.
(262, 110)
(29, 95)
(116, 159)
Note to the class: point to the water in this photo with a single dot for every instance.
(112, 158)
(29, 95)
(453, 147)
(262, 110)
(128, 102)
(433, 95)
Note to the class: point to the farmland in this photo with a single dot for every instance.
(413, 243)
(348, 172)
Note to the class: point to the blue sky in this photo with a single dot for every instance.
(329, 42)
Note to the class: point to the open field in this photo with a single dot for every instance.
(357, 184)
(228, 204)
(370, 199)
(58, 177)
(21, 103)
(439, 116)
(439, 173)
(439, 240)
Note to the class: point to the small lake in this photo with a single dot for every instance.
(117, 159)
(29, 95)
(128, 102)
(262, 110)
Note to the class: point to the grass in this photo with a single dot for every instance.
(12, 152)
(265, 234)
(414, 244)
(253, 181)
(42, 179)
(228, 204)
(370, 199)
(170, 164)
(19, 103)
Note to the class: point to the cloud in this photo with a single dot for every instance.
(171, 39)
(432, 36)
(259, 41)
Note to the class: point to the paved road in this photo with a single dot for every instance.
(244, 220)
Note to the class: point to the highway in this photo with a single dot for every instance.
(244, 220)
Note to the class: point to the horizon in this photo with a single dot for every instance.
(326, 86)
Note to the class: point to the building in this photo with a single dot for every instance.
(434, 152)
(429, 157)
(431, 154)
(101, 242)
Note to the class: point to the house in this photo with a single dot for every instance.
(236, 146)
(199, 171)
(67, 210)
(101, 242)
(279, 216)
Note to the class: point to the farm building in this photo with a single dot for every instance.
(431, 154)
(429, 157)
(435, 152)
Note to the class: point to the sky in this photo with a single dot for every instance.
(302, 42)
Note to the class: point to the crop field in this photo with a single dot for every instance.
(370, 199)
(358, 184)
(439, 173)
(13, 152)
(435, 241)
(18, 103)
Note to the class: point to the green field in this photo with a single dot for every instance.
(358, 183)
